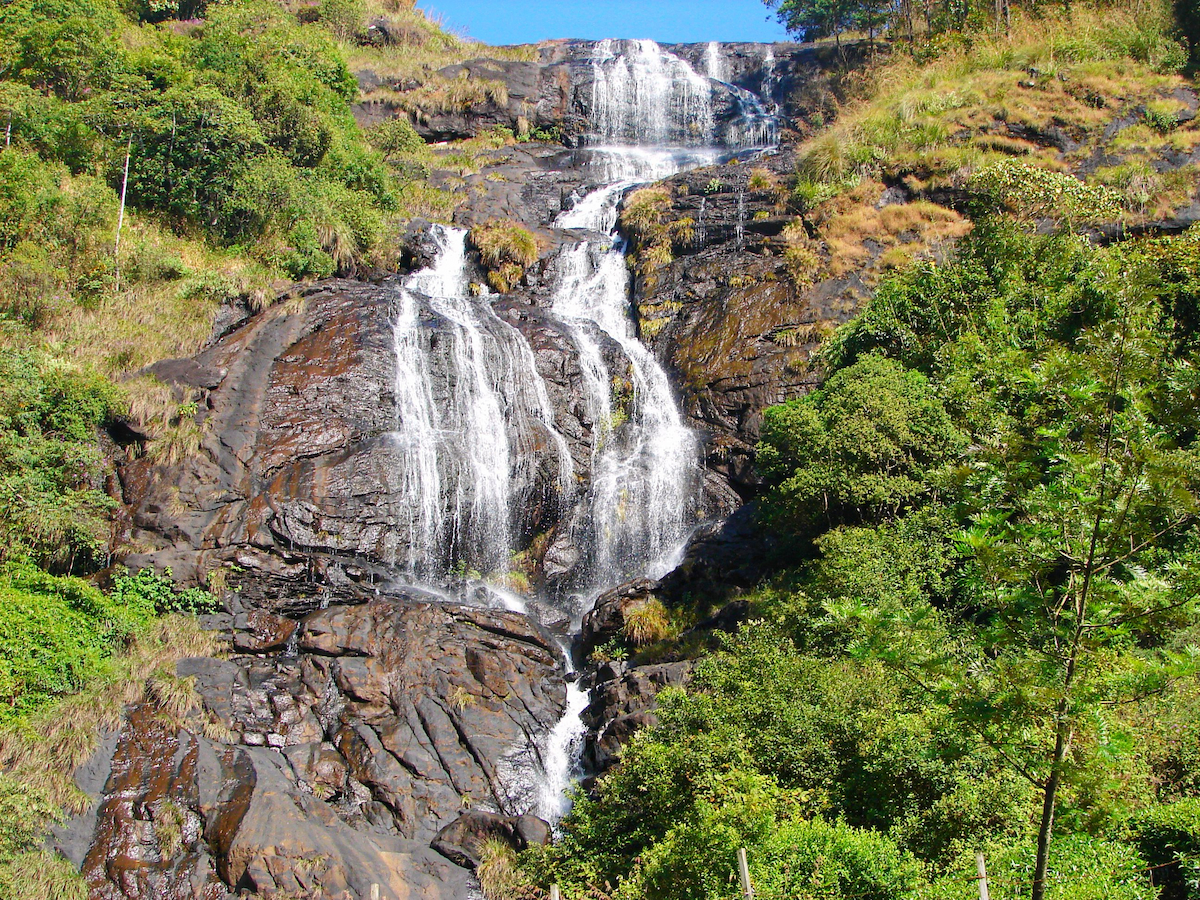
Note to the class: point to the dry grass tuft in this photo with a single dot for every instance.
(801, 256)
(498, 873)
(854, 229)
(506, 250)
(645, 623)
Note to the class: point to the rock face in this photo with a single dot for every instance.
(297, 480)
(331, 767)
(725, 315)
(555, 89)
(623, 700)
(362, 731)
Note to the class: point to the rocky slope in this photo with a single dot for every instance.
(355, 719)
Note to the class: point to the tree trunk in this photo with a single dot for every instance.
(1062, 741)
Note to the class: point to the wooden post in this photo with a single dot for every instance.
(121, 214)
(554, 892)
(374, 892)
(981, 865)
(744, 873)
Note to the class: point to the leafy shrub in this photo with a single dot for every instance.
(56, 633)
(1168, 836)
(50, 510)
(862, 445)
(1082, 867)
(147, 589)
(1033, 192)
(817, 859)
(395, 137)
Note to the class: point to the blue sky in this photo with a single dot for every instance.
(668, 21)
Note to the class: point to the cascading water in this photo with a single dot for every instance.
(473, 406)
(643, 95)
(714, 62)
(644, 460)
(462, 458)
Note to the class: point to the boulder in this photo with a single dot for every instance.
(606, 619)
(333, 769)
(461, 840)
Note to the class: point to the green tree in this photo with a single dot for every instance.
(862, 446)
(1079, 498)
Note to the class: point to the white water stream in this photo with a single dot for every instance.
(473, 412)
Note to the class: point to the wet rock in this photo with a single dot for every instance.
(258, 631)
(332, 770)
(556, 89)
(621, 706)
(297, 481)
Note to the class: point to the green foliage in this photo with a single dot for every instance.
(56, 633)
(241, 129)
(1187, 14)
(1033, 192)
(812, 19)
(1082, 867)
(51, 510)
(1169, 839)
(147, 589)
(817, 859)
(861, 446)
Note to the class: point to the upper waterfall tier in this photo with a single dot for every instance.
(626, 92)
(644, 95)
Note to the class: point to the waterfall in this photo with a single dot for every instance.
(644, 459)
(714, 62)
(474, 411)
(462, 460)
(769, 78)
(643, 95)
(739, 234)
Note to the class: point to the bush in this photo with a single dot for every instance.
(645, 622)
(56, 633)
(1168, 836)
(864, 444)
(148, 590)
(506, 250)
(816, 859)
(50, 510)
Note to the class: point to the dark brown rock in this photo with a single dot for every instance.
(623, 705)
(461, 840)
(332, 770)
(606, 619)
(259, 631)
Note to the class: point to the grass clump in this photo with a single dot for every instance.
(1088, 64)
(855, 228)
(41, 746)
(506, 250)
(498, 873)
(801, 257)
(654, 236)
(645, 622)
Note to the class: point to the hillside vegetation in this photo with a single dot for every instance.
(158, 160)
(982, 634)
